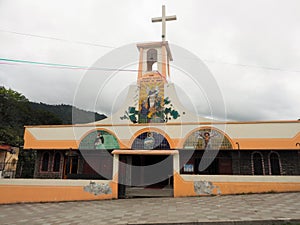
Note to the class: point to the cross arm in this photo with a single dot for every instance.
(159, 19)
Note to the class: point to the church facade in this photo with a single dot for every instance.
(153, 140)
(156, 121)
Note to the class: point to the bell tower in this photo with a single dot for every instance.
(154, 60)
(155, 56)
(152, 76)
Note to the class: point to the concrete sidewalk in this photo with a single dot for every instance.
(283, 208)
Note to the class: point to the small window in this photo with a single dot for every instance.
(56, 163)
(45, 161)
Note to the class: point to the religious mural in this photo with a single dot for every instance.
(150, 140)
(153, 106)
(99, 140)
(207, 139)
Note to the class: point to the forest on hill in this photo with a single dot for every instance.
(16, 111)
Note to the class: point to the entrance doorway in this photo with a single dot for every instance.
(145, 173)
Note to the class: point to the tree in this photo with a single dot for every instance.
(15, 112)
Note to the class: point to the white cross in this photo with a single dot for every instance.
(163, 19)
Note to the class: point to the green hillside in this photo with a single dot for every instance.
(16, 111)
(68, 114)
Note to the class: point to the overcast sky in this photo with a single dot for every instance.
(250, 47)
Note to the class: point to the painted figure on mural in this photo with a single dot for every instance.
(144, 112)
(151, 106)
(153, 103)
(206, 137)
(99, 141)
(149, 141)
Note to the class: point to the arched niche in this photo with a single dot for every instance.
(99, 139)
(150, 140)
(151, 59)
(203, 138)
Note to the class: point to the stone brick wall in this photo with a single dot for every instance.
(241, 162)
(290, 161)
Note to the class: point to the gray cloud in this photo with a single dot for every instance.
(261, 33)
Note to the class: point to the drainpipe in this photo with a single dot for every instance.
(239, 153)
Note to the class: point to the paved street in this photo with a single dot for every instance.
(283, 208)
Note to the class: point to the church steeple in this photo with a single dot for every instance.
(152, 78)
(155, 56)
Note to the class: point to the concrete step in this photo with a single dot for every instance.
(134, 192)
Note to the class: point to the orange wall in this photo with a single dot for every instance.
(184, 188)
(17, 193)
(31, 143)
(39, 193)
(268, 143)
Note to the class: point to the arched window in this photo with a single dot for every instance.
(150, 140)
(45, 161)
(207, 138)
(151, 58)
(274, 164)
(257, 163)
(99, 139)
(56, 163)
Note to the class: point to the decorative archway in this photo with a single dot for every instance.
(152, 168)
(150, 140)
(171, 143)
(207, 159)
(99, 139)
(275, 167)
(202, 138)
(257, 163)
(95, 152)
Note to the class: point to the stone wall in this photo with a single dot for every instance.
(289, 159)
